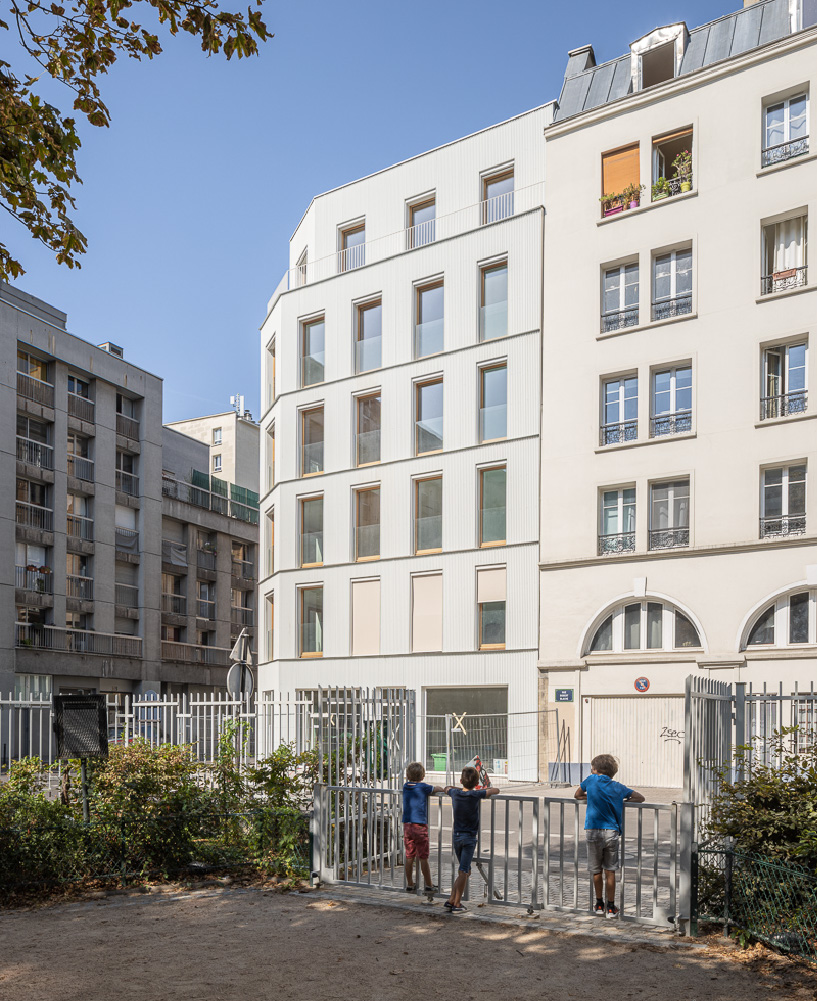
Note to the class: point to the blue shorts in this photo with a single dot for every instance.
(464, 846)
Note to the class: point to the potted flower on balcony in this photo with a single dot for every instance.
(683, 165)
(632, 195)
(660, 189)
(611, 204)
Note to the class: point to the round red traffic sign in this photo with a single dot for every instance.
(641, 684)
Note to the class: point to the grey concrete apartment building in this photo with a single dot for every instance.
(123, 568)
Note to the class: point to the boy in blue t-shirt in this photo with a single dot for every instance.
(465, 828)
(416, 795)
(603, 826)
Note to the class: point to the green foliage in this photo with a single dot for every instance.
(284, 779)
(38, 143)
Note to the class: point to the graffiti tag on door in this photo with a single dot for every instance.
(670, 736)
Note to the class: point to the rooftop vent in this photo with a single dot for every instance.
(112, 349)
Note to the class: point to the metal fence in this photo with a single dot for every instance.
(770, 899)
(531, 852)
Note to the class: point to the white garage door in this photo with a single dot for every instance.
(645, 732)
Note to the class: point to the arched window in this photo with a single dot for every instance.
(644, 625)
(787, 621)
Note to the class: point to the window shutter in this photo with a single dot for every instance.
(619, 169)
(491, 585)
(366, 618)
(427, 613)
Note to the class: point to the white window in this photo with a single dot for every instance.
(788, 621)
(785, 130)
(352, 240)
(620, 297)
(421, 222)
(498, 196)
(672, 402)
(784, 380)
(617, 521)
(672, 284)
(784, 255)
(670, 514)
(644, 625)
(217, 463)
(217, 436)
(620, 410)
(493, 301)
(784, 500)
(493, 402)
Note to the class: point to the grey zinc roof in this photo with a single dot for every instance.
(746, 29)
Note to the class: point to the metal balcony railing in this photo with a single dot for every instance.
(127, 426)
(79, 587)
(59, 638)
(30, 579)
(80, 467)
(126, 595)
(126, 540)
(127, 483)
(782, 524)
(617, 542)
(420, 234)
(620, 319)
(352, 257)
(667, 424)
(784, 151)
(82, 408)
(33, 516)
(35, 389)
(206, 559)
(669, 538)
(781, 281)
(205, 609)
(674, 187)
(617, 434)
(79, 527)
(784, 405)
(240, 616)
(243, 568)
(665, 309)
(190, 653)
(174, 604)
(497, 208)
(35, 453)
(208, 500)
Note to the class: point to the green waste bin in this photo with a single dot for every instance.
(440, 762)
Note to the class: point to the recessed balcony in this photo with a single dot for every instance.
(79, 587)
(35, 389)
(82, 408)
(190, 653)
(80, 467)
(86, 641)
(35, 453)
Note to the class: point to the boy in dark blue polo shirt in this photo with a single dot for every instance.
(603, 826)
(465, 828)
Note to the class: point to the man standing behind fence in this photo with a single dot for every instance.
(603, 826)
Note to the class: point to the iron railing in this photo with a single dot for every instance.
(784, 151)
(126, 595)
(35, 389)
(616, 542)
(62, 639)
(420, 234)
(174, 604)
(127, 483)
(666, 424)
(351, 257)
(781, 281)
(244, 569)
(80, 467)
(79, 587)
(669, 538)
(33, 516)
(617, 434)
(126, 540)
(77, 526)
(784, 405)
(81, 407)
(620, 319)
(497, 208)
(30, 579)
(205, 608)
(35, 453)
(127, 426)
(674, 187)
(241, 616)
(665, 309)
(192, 653)
(782, 524)
(206, 559)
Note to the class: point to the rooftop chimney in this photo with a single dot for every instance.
(579, 60)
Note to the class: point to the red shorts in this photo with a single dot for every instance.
(416, 841)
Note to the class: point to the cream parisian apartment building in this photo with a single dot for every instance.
(232, 439)
(584, 546)
(677, 531)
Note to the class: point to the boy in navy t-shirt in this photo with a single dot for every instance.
(416, 795)
(603, 826)
(465, 828)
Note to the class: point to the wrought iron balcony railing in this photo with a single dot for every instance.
(42, 637)
(784, 151)
(781, 281)
(667, 424)
(33, 516)
(618, 542)
(35, 389)
(29, 579)
(420, 234)
(35, 453)
(82, 408)
(784, 405)
(782, 524)
(669, 538)
(620, 319)
(665, 309)
(617, 434)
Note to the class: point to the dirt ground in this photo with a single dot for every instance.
(253, 943)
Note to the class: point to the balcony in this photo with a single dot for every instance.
(206, 559)
(240, 616)
(782, 281)
(620, 320)
(126, 595)
(784, 151)
(783, 406)
(618, 434)
(668, 424)
(79, 587)
(669, 538)
(37, 579)
(190, 653)
(80, 467)
(127, 426)
(174, 604)
(174, 553)
(33, 516)
(208, 500)
(669, 187)
(63, 640)
(243, 569)
(618, 542)
(35, 453)
(127, 483)
(666, 309)
(781, 525)
(126, 541)
(509, 205)
(82, 408)
(205, 609)
(35, 389)
(79, 527)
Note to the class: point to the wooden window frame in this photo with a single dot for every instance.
(491, 367)
(480, 644)
(418, 386)
(419, 290)
(358, 401)
(358, 492)
(482, 472)
(493, 177)
(302, 655)
(418, 481)
(360, 309)
(301, 502)
(304, 415)
(302, 356)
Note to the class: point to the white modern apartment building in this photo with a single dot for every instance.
(401, 361)
(681, 537)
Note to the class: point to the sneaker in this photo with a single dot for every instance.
(599, 907)
(430, 889)
(460, 909)
(611, 911)
(410, 889)
(448, 905)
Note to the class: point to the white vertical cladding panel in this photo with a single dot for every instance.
(523, 382)
(645, 732)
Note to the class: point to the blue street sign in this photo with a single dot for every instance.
(564, 695)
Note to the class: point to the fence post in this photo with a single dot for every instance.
(317, 826)
(688, 779)
(741, 726)
(448, 723)
(728, 882)
(685, 903)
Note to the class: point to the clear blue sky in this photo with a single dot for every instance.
(191, 196)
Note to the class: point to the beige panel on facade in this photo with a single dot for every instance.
(491, 585)
(366, 618)
(644, 732)
(427, 613)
